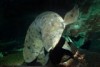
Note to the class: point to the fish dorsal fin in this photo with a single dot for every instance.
(72, 15)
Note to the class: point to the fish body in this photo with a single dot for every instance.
(44, 33)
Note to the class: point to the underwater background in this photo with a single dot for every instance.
(17, 15)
